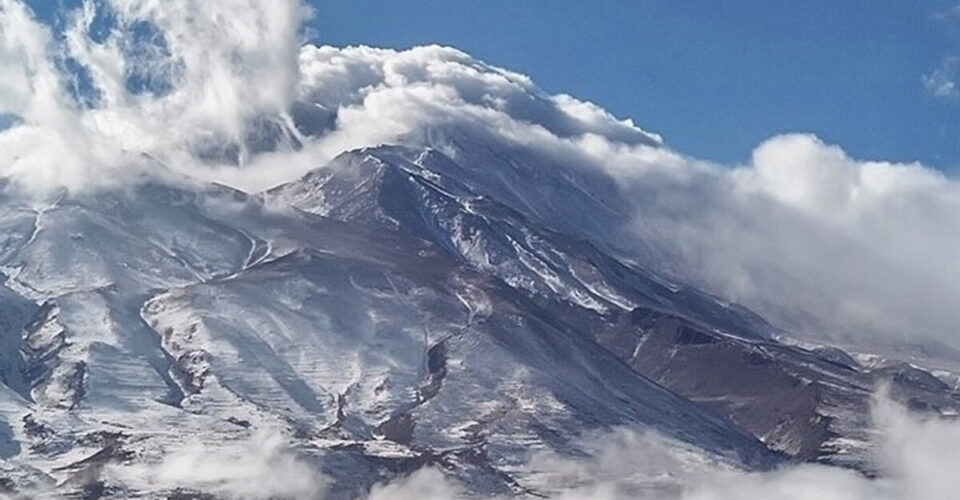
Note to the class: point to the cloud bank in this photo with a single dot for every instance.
(820, 242)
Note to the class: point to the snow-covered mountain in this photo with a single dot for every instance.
(392, 310)
(236, 266)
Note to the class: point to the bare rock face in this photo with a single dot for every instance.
(55, 379)
(777, 393)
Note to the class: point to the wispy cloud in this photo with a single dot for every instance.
(915, 454)
(261, 466)
(943, 81)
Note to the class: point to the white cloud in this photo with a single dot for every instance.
(255, 468)
(424, 484)
(867, 248)
(942, 82)
(187, 82)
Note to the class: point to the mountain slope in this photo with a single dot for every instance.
(391, 310)
(213, 313)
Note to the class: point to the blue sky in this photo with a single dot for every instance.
(714, 78)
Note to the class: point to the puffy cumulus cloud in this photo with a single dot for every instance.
(356, 78)
(820, 242)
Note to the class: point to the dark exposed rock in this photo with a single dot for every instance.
(239, 422)
(769, 389)
(836, 356)
(186, 494)
(911, 376)
(398, 429)
(35, 429)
